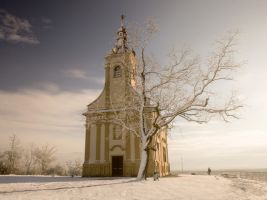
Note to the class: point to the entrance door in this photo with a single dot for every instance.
(117, 165)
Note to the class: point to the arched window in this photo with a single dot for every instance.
(117, 72)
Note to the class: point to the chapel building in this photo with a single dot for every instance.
(110, 148)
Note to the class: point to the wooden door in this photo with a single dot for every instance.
(117, 165)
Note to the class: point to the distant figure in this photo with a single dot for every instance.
(156, 176)
(209, 171)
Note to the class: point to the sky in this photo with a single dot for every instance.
(52, 66)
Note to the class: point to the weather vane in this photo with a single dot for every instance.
(122, 18)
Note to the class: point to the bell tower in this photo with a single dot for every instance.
(120, 69)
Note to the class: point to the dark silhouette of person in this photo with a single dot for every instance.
(209, 171)
(156, 176)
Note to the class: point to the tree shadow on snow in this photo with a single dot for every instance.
(60, 179)
(49, 179)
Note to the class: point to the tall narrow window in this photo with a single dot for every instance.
(117, 133)
(117, 72)
(164, 154)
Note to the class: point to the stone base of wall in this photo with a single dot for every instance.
(96, 170)
(130, 169)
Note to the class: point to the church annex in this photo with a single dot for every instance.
(110, 149)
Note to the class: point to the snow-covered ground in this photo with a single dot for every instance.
(185, 187)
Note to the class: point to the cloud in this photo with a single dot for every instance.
(75, 73)
(47, 23)
(14, 29)
(50, 87)
(242, 144)
(81, 74)
(43, 117)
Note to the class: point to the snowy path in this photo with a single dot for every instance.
(186, 187)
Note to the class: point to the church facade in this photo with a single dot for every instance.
(110, 148)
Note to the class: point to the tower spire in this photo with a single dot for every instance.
(121, 41)
(122, 20)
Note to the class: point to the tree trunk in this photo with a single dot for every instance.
(143, 165)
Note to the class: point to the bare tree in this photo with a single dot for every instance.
(185, 88)
(56, 170)
(28, 160)
(3, 164)
(44, 156)
(13, 154)
(74, 168)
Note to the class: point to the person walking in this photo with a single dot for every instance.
(209, 171)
